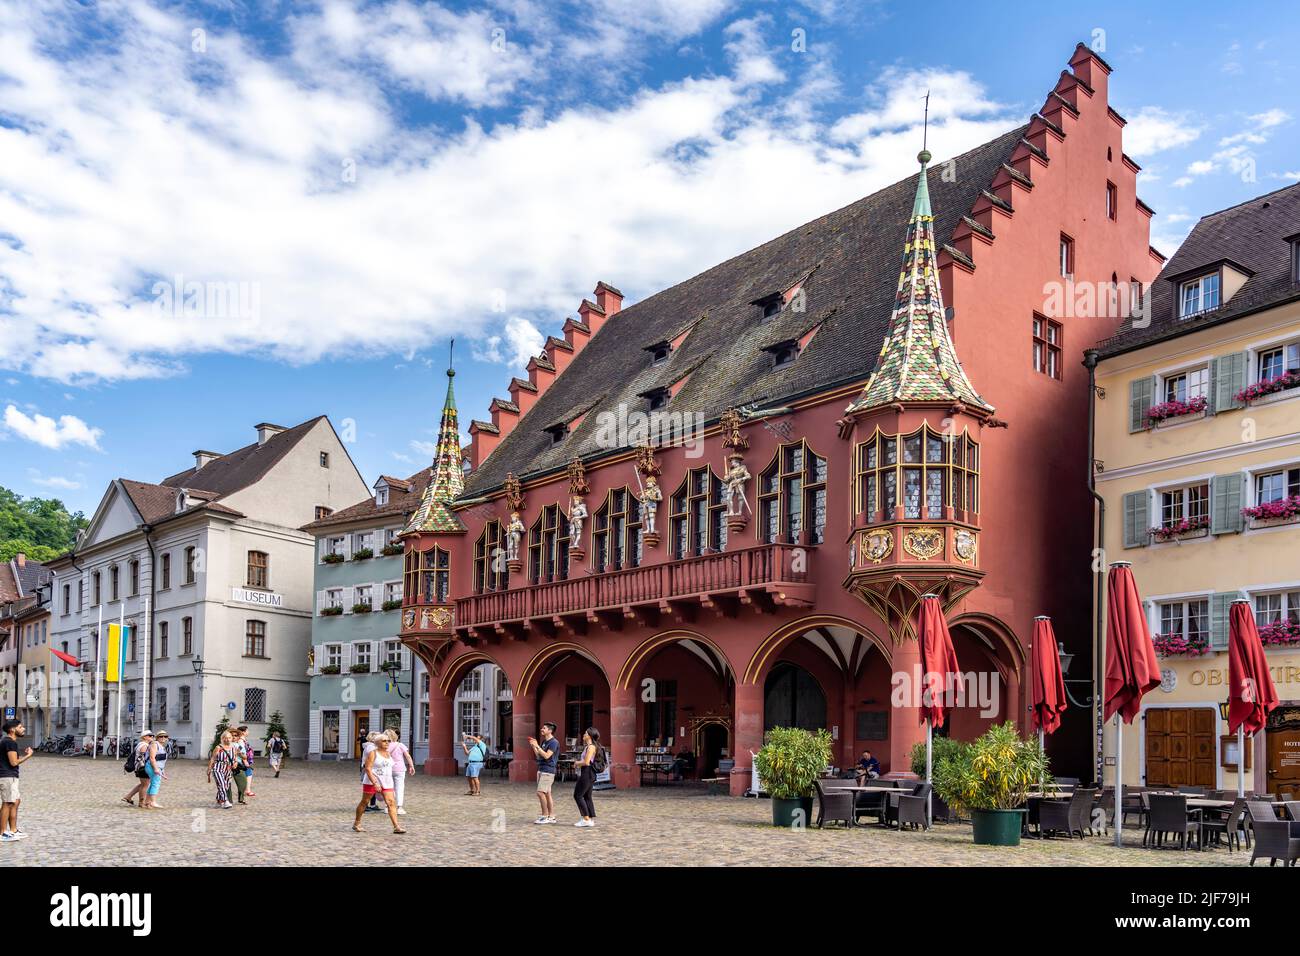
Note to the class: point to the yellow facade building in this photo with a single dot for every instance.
(1198, 462)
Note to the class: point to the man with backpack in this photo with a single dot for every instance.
(276, 748)
(10, 759)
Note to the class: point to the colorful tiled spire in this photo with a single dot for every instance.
(917, 362)
(448, 479)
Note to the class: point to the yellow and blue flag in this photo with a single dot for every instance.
(115, 659)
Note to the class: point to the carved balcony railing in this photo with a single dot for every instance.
(770, 574)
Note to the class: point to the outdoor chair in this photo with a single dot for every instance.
(1140, 804)
(1192, 791)
(1232, 826)
(1060, 816)
(1293, 810)
(1105, 802)
(1277, 840)
(833, 804)
(909, 809)
(1169, 815)
(1260, 811)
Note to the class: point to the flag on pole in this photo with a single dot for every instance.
(66, 658)
(118, 637)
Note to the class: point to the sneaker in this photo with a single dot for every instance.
(18, 835)
(582, 823)
(10, 838)
(227, 805)
(401, 811)
(549, 820)
(541, 820)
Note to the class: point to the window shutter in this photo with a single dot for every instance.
(1225, 510)
(406, 658)
(375, 719)
(1219, 605)
(349, 599)
(313, 732)
(322, 546)
(345, 660)
(376, 647)
(1228, 377)
(406, 724)
(1140, 391)
(1136, 522)
(345, 728)
(320, 601)
(347, 546)
(318, 655)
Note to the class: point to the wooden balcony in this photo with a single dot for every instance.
(767, 576)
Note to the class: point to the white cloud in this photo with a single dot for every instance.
(43, 430)
(53, 481)
(147, 161)
(1152, 130)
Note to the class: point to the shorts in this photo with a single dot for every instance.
(473, 768)
(142, 774)
(544, 781)
(9, 790)
(275, 761)
(370, 791)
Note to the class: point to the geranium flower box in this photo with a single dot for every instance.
(1172, 411)
(1175, 645)
(1283, 511)
(1281, 383)
(1187, 528)
(1280, 634)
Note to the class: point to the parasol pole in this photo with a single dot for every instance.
(929, 794)
(99, 637)
(1241, 759)
(1119, 781)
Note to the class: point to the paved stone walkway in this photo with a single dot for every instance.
(73, 815)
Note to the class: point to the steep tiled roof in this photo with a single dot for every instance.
(30, 576)
(244, 466)
(917, 362)
(448, 479)
(852, 255)
(8, 586)
(400, 503)
(1253, 235)
(158, 502)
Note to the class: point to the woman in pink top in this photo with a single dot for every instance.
(403, 766)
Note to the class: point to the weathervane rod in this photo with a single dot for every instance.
(925, 125)
(451, 354)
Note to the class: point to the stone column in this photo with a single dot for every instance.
(748, 735)
(848, 725)
(622, 737)
(442, 759)
(523, 768)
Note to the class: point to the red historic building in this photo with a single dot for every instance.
(714, 511)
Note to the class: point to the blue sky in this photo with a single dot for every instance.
(367, 179)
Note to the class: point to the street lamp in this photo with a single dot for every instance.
(1067, 659)
(198, 669)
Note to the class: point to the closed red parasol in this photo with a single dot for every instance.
(940, 676)
(1048, 684)
(1132, 669)
(1251, 694)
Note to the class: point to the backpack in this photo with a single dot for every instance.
(135, 760)
(600, 762)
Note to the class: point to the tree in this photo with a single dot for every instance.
(277, 723)
(41, 528)
(222, 726)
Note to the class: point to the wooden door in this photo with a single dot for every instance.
(361, 726)
(1284, 762)
(1180, 747)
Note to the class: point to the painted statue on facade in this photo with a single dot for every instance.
(577, 512)
(650, 498)
(514, 535)
(734, 488)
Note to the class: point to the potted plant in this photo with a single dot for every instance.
(359, 668)
(1280, 634)
(942, 749)
(788, 765)
(389, 550)
(1274, 512)
(1174, 645)
(1280, 383)
(332, 558)
(276, 723)
(1176, 529)
(392, 605)
(331, 611)
(1175, 409)
(361, 607)
(361, 554)
(990, 779)
(330, 669)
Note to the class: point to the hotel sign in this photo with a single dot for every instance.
(263, 598)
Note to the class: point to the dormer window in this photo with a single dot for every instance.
(381, 495)
(770, 306)
(557, 433)
(658, 398)
(1198, 295)
(784, 355)
(659, 353)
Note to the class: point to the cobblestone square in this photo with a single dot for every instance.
(73, 814)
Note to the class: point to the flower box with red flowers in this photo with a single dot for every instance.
(1180, 529)
(1175, 645)
(1282, 511)
(1167, 411)
(1280, 383)
(1280, 634)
